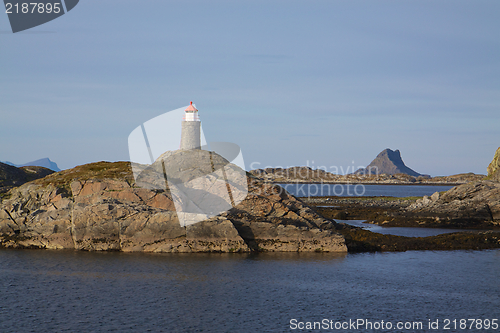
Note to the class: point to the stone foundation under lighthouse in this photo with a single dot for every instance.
(191, 128)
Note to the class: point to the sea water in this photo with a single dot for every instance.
(346, 190)
(74, 291)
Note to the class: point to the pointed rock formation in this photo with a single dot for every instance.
(387, 162)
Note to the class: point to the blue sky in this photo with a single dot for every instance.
(324, 83)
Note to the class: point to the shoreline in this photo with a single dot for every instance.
(392, 212)
(315, 176)
(386, 211)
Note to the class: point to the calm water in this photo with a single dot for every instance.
(345, 190)
(69, 291)
(408, 232)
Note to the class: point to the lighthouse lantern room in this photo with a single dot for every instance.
(191, 113)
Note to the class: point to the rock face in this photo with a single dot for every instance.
(270, 219)
(494, 167)
(468, 205)
(98, 207)
(388, 162)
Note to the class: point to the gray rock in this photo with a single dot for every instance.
(388, 162)
(471, 203)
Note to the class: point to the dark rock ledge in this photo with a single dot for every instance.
(474, 207)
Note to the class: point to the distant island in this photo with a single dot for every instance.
(386, 168)
(388, 162)
(43, 162)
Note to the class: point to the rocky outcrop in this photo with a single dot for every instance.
(99, 207)
(494, 167)
(387, 162)
(471, 204)
(270, 219)
(468, 205)
(391, 212)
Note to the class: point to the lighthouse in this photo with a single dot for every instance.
(190, 135)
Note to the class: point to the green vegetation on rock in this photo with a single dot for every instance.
(92, 171)
(494, 167)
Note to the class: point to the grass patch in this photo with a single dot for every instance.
(98, 170)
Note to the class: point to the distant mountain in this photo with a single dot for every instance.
(388, 162)
(43, 162)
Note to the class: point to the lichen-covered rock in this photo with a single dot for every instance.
(494, 167)
(97, 207)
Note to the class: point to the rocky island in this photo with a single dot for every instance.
(99, 207)
(388, 162)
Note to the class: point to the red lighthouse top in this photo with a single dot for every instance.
(191, 108)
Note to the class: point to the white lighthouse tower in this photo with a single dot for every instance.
(190, 135)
